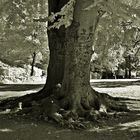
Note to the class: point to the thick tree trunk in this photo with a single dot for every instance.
(72, 70)
(79, 41)
(76, 87)
(56, 62)
(56, 39)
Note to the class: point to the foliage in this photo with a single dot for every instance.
(118, 24)
(66, 16)
(112, 41)
(19, 34)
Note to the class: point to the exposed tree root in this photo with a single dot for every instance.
(26, 99)
(67, 111)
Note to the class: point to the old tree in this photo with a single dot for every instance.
(67, 94)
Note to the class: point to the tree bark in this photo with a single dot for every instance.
(56, 39)
(33, 63)
(79, 41)
(129, 66)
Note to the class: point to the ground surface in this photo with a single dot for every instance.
(124, 127)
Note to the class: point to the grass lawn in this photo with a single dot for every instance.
(124, 127)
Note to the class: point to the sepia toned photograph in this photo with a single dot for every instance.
(69, 69)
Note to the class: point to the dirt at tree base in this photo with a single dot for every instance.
(51, 108)
(124, 127)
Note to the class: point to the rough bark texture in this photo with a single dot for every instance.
(56, 39)
(79, 41)
(56, 62)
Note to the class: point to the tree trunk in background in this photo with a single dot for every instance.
(33, 63)
(126, 73)
(56, 39)
(129, 66)
(126, 66)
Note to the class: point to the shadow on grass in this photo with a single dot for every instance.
(126, 127)
(19, 87)
(110, 84)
